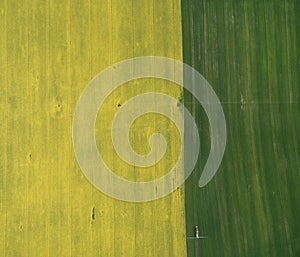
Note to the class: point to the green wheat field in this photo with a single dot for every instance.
(249, 51)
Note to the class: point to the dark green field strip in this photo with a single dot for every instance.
(249, 52)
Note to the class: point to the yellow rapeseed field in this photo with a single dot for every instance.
(49, 51)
